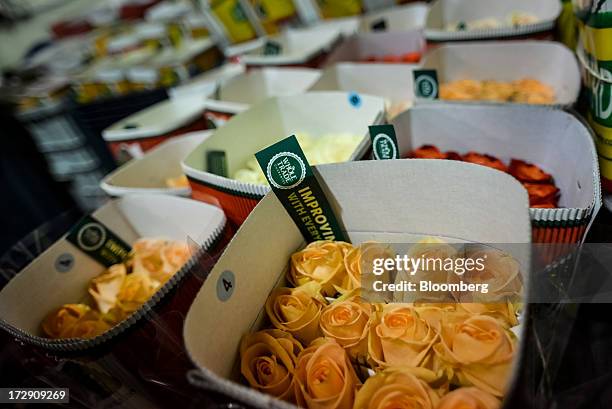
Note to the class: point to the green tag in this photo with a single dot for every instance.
(96, 240)
(216, 163)
(379, 25)
(384, 142)
(293, 182)
(272, 48)
(426, 84)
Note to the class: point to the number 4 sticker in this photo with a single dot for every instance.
(225, 285)
(426, 84)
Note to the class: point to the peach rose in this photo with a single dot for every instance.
(105, 288)
(505, 312)
(478, 352)
(469, 398)
(297, 311)
(322, 262)
(88, 328)
(400, 337)
(435, 255)
(324, 377)
(434, 313)
(359, 264)
(268, 361)
(158, 258)
(135, 291)
(73, 321)
(347, 321)
(401, 388)
(501, 273)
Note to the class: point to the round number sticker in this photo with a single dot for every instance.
(64, 262)
(225, 285)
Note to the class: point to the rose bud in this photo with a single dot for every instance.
(401, 388)
(452, 155)
(469, 398)
(268, 361)
(324, 377)
(322, 262)
(427, 152)
(477, 352)
(297, 311)
(400, 337)
(527, 172)
(549, 205)
(485, 160)
(347, 321)
(541, 193)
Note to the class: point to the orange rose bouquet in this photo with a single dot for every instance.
(331, 348)
(119, 291)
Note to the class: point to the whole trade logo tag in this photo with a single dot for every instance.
(96, 240)
(384, 142)
(286, 170)
(426, 84)
(272, 48)
(299, 191)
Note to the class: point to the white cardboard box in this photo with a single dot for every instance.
(130, 217)
(361, 46)
(443, 12)
(149, 173)
(298, 47)
(393, 82)
(315, 113)
(509, 61)
(240, 92)
(398, 18)
(554, 140)
(375, 200)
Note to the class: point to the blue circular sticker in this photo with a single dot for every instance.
(225, 285)
(64, 262)
(354, 99)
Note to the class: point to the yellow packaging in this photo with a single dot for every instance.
(234, 19)
(339, 8)
(595, 24)
(275, 10)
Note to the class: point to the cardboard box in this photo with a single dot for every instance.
(375, 200)
(364, 46)
(237, 94)
(316, 113)
(552, 139)
(443, 12)
(149, 173)
(205, 84)
(509, 61)
(394, 82)
(347, 25)
(305, 47)
(143, 130)
(399, 18)
(130, 218)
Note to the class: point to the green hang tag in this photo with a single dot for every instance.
(379, 25)
(297, 188)
(425, 84)
(97, 241)
(272, 48)
(216, 163)
(384, 142)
